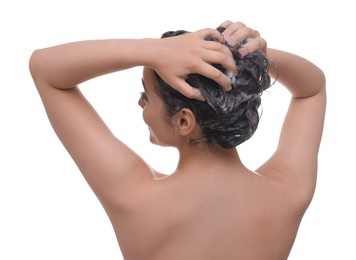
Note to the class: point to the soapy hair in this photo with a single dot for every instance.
(227, 118)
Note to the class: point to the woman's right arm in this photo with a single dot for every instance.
(296, 155)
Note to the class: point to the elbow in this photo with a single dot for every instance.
(317, 85)
(33, 63)
(322, 87)
(322, 80)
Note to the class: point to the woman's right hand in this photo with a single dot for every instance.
(235, 33)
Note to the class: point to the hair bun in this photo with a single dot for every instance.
(226, 118)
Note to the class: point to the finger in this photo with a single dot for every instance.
(226, 24)
(187, 90)
(209, 71)
(227, 61)
(206, 33)
(242, 34)
(257, 44)
(231, 29)
(220, 54)
(216, 46)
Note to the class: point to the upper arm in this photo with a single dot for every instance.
(108, 165)
(296, 157)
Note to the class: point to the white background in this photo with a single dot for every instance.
(47, 211)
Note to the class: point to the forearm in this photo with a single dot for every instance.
(301, 77)
(65, 66)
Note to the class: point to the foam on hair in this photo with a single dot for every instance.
(226, 118)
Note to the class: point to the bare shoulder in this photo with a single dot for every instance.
(297, 189)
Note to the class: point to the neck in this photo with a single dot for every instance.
(196, 158)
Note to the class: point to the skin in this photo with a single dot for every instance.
(212, 206)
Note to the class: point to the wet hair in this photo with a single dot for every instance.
(227, 118)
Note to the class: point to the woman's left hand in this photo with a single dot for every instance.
(191, 53)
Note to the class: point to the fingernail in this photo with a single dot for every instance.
(198, 96)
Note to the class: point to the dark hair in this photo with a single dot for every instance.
(226, 118)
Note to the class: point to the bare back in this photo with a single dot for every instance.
(214, 215)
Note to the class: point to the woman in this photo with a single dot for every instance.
(212, 206)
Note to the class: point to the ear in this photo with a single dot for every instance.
(184, 121)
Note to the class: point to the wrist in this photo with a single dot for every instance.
(147, 51)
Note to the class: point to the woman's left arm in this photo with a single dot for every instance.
(103, 159)
(108, 165)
